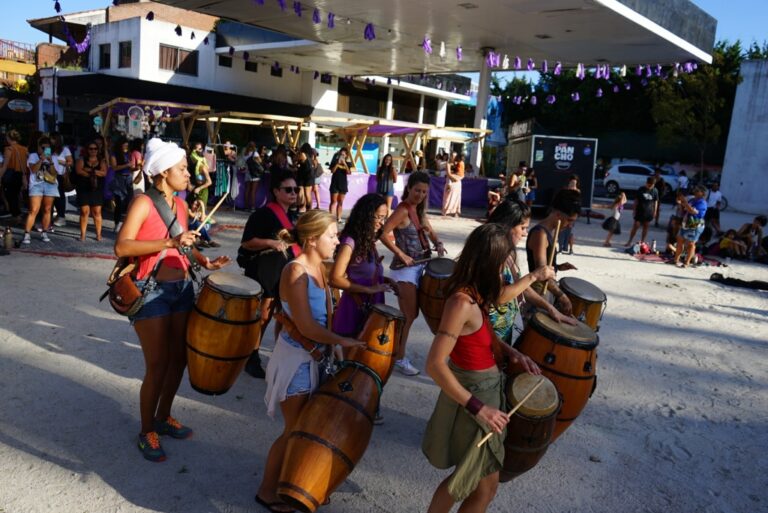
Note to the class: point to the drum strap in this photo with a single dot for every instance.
(413, 216)
(285, 222)
(318, 352)
(174, 228)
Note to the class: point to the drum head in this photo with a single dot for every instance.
(388, 311)
(582, 289)
(233, 284)
(580, 335)
(544, 400)
(440, 267)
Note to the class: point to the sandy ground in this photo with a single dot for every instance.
(678, 421)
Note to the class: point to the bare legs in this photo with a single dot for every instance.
(690, 248)
(408, 301)
(163, 341)
(291, 409)
(251, 189)
(95, 213)
(635, 226)
(337, 203)
(316, 194)
(306, 197)
(477, 502)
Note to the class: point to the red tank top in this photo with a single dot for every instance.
(474, 351)
(154, 228)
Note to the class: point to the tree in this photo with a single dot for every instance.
(697, 106)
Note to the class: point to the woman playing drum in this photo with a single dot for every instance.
(411, 229)
(461, 361)
(357, 269)
(292, 372)
(515, 216)
(262, 255)
(162, 322)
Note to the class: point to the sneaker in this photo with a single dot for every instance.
(149, 445)
(51, 229)
(45, 238)
(405, 367)
(173, 427)
(378, 420)
(27, 239)
(60, 221)
(213, 244)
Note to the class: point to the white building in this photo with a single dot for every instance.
(744, 170)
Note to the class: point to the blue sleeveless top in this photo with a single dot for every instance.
(317, 305)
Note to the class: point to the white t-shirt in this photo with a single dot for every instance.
(682, 181)
(713, 198)
(32, 160)
(60, 160)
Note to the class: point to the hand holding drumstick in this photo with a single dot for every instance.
(513, 410)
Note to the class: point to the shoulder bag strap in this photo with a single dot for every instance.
(413, 216)
(171, 222)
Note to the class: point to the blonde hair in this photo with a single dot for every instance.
(312, 223)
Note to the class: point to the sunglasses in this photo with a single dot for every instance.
(289, 190)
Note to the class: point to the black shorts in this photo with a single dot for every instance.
(712, 214)
(644, 217)
(87, 197)
(305, 179)
(339, 183)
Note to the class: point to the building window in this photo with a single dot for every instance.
(125, 54)
(178, 60)
(251, 66)
(105, 55)
(225, 61)
(276, 72)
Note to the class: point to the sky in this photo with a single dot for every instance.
(737, 19)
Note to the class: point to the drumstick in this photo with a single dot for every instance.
(415, 262)
(552, 255)
(513, 410)
(210, 215)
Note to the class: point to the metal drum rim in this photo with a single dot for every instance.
(563, 283)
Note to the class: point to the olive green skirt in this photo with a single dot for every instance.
(452, 433)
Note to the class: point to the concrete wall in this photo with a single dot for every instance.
(745, 170)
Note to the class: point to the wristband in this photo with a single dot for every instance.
(474, 405)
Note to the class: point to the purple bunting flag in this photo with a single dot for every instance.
(282, 4)
(551, 99)
(531, 64)
(534, 100)
(331, 20)
(426, 44)
(150, 16)
(246, 56)
(57, 6)
(558, 68)
(599, 92)
(177, 30)
(205, 41)
(297, 8)
(459, 53)
(192, 35)
(368, 33)
(544, 68)
(231, 51)
(316, 17)
(518, 63)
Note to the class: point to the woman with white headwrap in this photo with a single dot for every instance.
(161, 322)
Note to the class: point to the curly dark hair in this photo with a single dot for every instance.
(360, 224)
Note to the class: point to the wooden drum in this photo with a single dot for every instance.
(329, 439)
(382, 332)
(588, 300)
(567, 355)
(432, 293)
(530, 429)
(222, 331)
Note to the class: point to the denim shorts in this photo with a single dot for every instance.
(300, 382)
(167, 298)
(44, 188)
(410, 274)
(692, 234)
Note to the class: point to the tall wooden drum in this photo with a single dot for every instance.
(382, 332)
(222, 331)
(567, 355)
(587, 299)
(530, 429)
(432, 293)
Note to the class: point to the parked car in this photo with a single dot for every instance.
(630, 176)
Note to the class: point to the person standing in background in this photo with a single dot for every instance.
(12, 172)
(62, 161)
(452, 190)
(137, 162)
(645, 208)
(341, 166)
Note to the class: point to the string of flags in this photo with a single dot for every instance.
(494, 60)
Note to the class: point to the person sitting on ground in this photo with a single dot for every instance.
(644, 210)
(730, 246)
(752, 234)
(196, 217)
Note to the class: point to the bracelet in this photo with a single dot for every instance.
(474, 405)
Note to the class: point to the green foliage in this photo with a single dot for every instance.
(687, 109)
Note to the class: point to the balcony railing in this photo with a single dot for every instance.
(16, 51)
